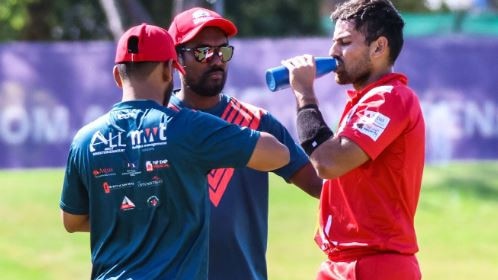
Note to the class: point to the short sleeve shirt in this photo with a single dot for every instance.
(239, 197)
(372, 207)
(139, 172)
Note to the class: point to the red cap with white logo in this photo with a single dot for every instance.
(189, 23)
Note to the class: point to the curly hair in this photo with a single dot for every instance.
(374, 18)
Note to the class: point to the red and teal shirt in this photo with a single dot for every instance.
(239, 198)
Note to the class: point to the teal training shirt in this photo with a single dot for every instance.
(140, 173)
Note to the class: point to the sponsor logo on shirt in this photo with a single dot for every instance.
(156, 181)
(123, 115)
(111, 142)
(372, 124)
(153, 201)
(131, 169)
(103, 172)
(369, 94)
(108, 187)
(148, 137)
(152, 165)
(127, 204)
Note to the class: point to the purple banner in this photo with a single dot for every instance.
(48, 91)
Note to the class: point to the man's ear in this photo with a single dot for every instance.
(379, 47)
(180, 60)
(168, 71)
(117, 77)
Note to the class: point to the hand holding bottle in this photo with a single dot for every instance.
(277, 78)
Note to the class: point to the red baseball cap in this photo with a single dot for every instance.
(146, 43)
(187, 24)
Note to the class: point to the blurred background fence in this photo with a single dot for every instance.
(49, 90)
(56, 59)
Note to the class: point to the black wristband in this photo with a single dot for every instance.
(312, 130)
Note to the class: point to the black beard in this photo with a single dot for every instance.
(360, 78)
(201, 88)
(359, 74)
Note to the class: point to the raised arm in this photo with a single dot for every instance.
(331, 156)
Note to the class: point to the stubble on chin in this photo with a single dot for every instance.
(207, 87)
(342, 79)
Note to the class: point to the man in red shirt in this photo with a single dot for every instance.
(373, 165)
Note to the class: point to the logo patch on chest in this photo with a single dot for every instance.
(372, 124)
(218, 180)
(127, 204)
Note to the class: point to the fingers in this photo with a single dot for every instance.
(299, 61)
(301, 74)
(288, 64)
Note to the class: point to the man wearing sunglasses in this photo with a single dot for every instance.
(239, 197)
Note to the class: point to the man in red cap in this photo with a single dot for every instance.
(136, 177)
(239, 197)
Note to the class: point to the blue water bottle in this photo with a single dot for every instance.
(277, 78)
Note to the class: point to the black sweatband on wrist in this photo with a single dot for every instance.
(312, 130)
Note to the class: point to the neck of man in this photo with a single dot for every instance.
(374, 76)
(141, 92)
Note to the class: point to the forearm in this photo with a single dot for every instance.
(305, 97)
(312, 130)
(307, 180)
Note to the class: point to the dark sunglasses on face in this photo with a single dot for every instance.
(205, 54)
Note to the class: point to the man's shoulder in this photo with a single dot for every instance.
(90, 128)
(242, 113)
(394, 83)
(237, 103)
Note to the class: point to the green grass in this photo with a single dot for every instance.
(457, 225)
(33, 242)
(457, 222)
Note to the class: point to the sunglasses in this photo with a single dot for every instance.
(206, 54)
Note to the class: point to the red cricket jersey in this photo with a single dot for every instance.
(372, 208)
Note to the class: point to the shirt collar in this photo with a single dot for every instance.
(215, 110)
(386, 79)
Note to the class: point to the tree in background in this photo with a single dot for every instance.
(48, 20)
(275, 18)
(13, 19)
(52, 20)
